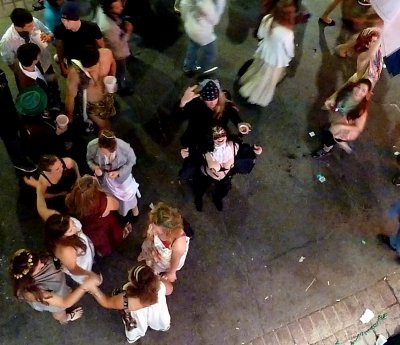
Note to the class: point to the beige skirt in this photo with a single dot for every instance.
(259, 82)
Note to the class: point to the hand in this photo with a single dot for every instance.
(113, 174)
(329, 104)
(257, 149)
(98, 171)
(128, 27)
(185, 152)
(60, 131)
(30, 181)
(189, 95)
(244, 127)
(169, 276)
(92, 281)
(46, 38)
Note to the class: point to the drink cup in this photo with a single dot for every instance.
(110, 83)
(37, 39)
(62, 121)
(244, 129)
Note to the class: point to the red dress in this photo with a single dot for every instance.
(106, 233)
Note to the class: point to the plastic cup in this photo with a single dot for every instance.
(62, 121)
(244, 129)
(36, 39)
(110, 83)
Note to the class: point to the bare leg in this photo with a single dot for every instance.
(100, 123)
(60, 316)
(325, 16)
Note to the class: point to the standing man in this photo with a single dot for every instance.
(86, 77)
(26, 29)
(199, 18)
(73, 35)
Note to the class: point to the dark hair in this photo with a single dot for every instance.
(107, 140)
(362, 106)
(46, 162)
(22, 264)
(364, 40)
(54, 230)
(20, 17)
(146, 286)
(89, 56)
(27, 53)
(106, 5)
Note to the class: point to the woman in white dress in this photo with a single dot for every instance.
(274, 52)
(142, 302)
(166, 245)
(66, 241)
(112, 159)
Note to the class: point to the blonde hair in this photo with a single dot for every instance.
(168, 218)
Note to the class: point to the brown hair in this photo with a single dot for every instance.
(363, 41)
(85, 197)
(168, 218)
(54, 230)
(22, 264)
(46, 162)
(144, 284)
(362, 106)
(107, 140)
(281, 14)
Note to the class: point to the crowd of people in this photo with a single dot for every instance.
(91, 215)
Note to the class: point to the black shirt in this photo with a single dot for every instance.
(74, 41)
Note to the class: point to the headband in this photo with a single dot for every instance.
(137, 271)
(29, 263)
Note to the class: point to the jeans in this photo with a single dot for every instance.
(207, 56)
(395, 242)
(121, 74)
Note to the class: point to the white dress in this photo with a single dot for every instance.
(155, 316)
(271, 58)
(164, 254)
(85, 260)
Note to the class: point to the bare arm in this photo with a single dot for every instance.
(41, 205)
(112, 205)
(178, 249)
(71, 164)
(68, 256)
(71, 92)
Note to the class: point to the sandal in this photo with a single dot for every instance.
(127, 230)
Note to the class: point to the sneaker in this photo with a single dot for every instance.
(190, 72)
(364, 2)
(89, 127)
(198, 202)
(218, 204)
(38, 5)
(321, 153)
(384, 239)
(210, 70)
(27, 167)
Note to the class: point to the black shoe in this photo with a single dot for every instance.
(198, 202)
(323, 22)
(26, 167)
(218, 204)
(126, 91)
(321, 153)
(384, 239)
(38, 6)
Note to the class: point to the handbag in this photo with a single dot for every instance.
(129, 321)
(245, 159)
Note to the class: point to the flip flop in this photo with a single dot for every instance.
(127, 230)
(73, 315)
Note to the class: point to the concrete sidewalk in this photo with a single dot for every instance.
(340, 323)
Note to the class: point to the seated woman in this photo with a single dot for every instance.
(366, 48)
(95, 209)
(66, 241)
(142, 300)
(36, 281)
(57, 177)
(217, 168)
(166, 245)
(348, 113)
(112, 159)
